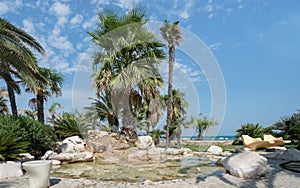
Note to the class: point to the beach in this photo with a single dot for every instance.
(276, 177)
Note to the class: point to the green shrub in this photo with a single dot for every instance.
(11, 145)
(156, 134)
(39, 136)
(69, 125)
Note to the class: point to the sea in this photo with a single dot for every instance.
(220, 138)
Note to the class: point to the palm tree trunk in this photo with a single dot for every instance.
(128, 118)
(12, 99)
(128, 121)
(178, 134)
(170, 80)
(40, 105)
(199, 135)
(10, 90)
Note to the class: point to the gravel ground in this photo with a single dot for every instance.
(276, 177)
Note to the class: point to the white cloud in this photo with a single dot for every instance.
(10, 6)
(3, 8)
(211, 15)
(185, 14)
(28, 26)
(59, 41)
(215, 46)
(77, 19)
(90, 23)
(61, 11)
(126, 4)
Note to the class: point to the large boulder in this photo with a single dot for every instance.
(246, 165)
(291, 154)
(144, 142)
(10, 169)
(73, 144)
(215, 150)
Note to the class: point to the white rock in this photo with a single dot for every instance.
(246, 165)
(10, 169)
(291, 154)
(56, 162)
(144, 142)
(72, 144)
(26, 156)
(73, 157)
(216, 150)
(239, 150)
(48, 155)
(96, 134)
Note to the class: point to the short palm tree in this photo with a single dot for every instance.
(105, 110)
(172, 34)
(202, 124)
(16, 58)
(177, 113)
(128, 59)
(253, 130)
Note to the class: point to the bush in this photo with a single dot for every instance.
(39, 136)
(11, 145)
(69, 125)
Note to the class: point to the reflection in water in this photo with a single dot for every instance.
(138, 172)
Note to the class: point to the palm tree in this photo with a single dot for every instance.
(172, 34)
(53, 86)
(17, 58)
(128, 59)
(203, 124)
(177, 113)
(53, 114)
(253, 130)
(105, 111)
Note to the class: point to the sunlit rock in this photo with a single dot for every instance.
(246, 165)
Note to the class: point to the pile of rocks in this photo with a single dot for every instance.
(107, 147)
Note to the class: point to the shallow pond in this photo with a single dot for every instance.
(138, 172)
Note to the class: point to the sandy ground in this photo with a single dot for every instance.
(276, 177)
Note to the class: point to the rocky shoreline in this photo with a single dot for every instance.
(275, 177)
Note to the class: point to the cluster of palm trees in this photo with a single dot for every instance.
(19, 68)
(126, 76)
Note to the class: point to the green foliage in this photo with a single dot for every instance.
(202, 124)
(26, 130)
(69, 125)
(156, 134)
(11, 145)
(253, 130)
(289, 128)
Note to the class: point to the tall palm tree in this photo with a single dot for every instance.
(172, 34)
(52, 87)
(202, 124)
(17, 58)
(128, 58)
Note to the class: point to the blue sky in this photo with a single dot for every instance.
(255, 44)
